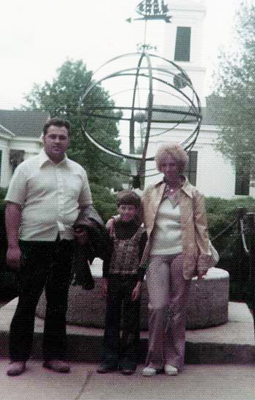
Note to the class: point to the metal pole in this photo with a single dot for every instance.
(251, 228)
(238, 279)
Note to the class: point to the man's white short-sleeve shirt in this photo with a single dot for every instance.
(50, 195)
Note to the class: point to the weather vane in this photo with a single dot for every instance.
(150, 10)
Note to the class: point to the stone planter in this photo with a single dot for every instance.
(208, 302)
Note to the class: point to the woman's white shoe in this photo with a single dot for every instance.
(170, 370)
(149, 371)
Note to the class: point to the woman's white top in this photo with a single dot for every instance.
(167, 231)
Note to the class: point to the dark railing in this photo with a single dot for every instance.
(251, 246)
(242, 245)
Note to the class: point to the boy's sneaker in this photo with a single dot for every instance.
(127, 371)
(127, 367)
(106, 367)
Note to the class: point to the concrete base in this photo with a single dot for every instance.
(231, 343)
(208, 302)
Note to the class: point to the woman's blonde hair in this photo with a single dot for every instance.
(174, 150)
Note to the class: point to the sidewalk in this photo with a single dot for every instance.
(196, 382)
(224, 370)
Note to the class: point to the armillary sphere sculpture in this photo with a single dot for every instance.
(150, 96)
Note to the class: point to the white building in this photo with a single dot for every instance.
(20, 138)
(183, 44)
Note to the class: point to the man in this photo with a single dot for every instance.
(44, 199)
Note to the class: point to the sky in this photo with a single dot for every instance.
(38, 36)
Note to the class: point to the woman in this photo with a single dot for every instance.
(177, 249)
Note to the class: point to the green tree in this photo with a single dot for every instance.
(233, 101)
(61, 97)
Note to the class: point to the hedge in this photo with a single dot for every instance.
(220, 213)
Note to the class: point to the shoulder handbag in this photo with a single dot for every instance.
(214, 258)
(215, 255)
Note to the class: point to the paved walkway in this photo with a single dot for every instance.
(224, 370)
(197, 382)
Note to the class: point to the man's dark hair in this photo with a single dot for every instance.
(57, 122)
(128, 197)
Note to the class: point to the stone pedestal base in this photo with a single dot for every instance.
(208, 302)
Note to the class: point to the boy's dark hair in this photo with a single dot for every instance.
(57, 122)
(128, 197)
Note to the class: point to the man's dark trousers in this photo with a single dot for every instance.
(44, 264)
(121, 351)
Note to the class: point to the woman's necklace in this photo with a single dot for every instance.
(172, 193)
(173, 189)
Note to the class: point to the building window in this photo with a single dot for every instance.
(243, 172)
(16, 157)
(191, 169)
(182, 44)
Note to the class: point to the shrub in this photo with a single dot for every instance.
(104, 201)
(8, 283)
(3, 192)
(221, 213)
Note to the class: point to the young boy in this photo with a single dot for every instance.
(122, 281)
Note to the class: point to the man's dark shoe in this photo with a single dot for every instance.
(57, 366)
(16, 368)
(104, 368)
